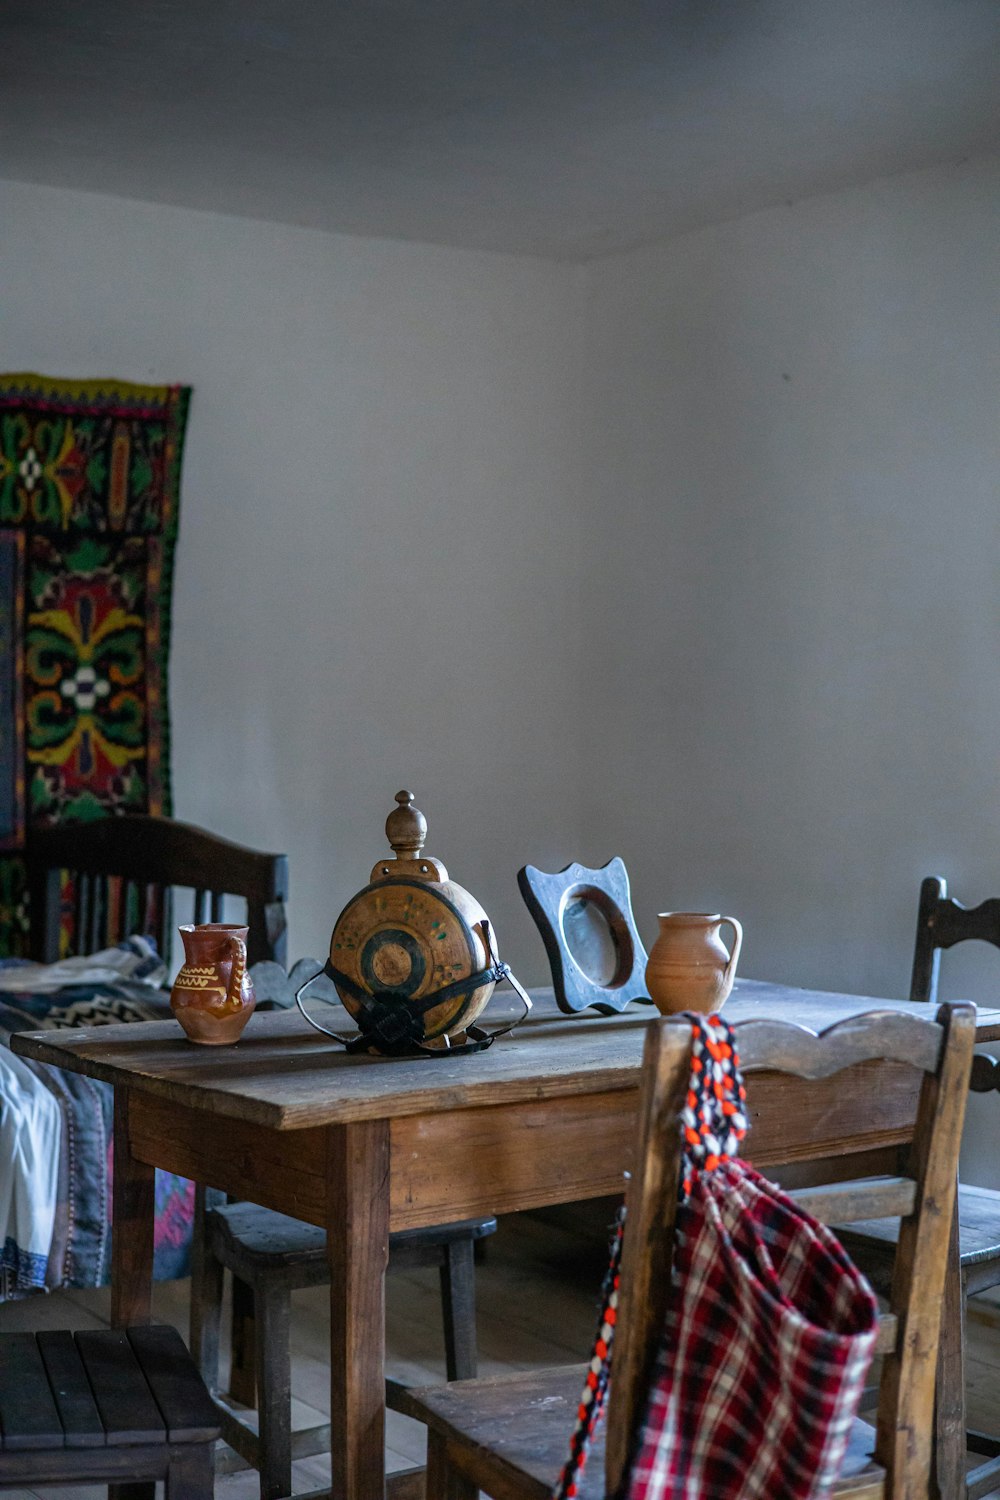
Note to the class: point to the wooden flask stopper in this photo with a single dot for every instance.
(406, 830)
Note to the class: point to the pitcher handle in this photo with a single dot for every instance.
(234, 998)
(730, 973)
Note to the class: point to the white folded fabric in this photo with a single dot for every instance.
(30, 1125)
(135, 960)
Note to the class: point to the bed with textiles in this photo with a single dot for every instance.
(56, 1127)
(90, 885)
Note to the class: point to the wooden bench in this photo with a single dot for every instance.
(105, 1405)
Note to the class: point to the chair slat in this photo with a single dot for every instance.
(983, 1480)
(81, 908)
(860, 1198)
(74, 1399)
(155, 920)
(200, 906)
(127, 899)
(114, 917)
(28, 1415)
(185, 1406)
(123, 1398)
(86, 908)
(99, 934)
(888, 1332)
(217, 899)
(124, 907)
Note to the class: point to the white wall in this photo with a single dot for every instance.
(376, 578)
(715, 587)
(795, 580)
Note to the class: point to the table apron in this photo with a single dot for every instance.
(286, 1171)
(499, 1158)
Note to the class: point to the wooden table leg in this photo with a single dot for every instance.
(358, 1249)
(131, 1251)
(132, 1227)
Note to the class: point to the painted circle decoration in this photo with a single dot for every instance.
(392, 960)
(407, 938)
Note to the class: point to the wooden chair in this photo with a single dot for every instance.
(122, 873)
(272, 1255)
(123, 870)
(586, 923)
(509, 1436)
(942, 923)
(110, 1406)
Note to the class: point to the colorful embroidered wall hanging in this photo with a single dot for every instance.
(89, 493)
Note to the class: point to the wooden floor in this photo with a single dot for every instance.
(537, 1293)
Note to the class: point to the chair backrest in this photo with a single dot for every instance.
(827, 1079)
(122, 871)
(941, 923)
(586, 922)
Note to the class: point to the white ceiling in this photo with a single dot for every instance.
(564, 128)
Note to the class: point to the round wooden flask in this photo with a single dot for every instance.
(412, 932)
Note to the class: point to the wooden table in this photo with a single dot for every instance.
(368, 1145)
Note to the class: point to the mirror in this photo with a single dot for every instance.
(591, 939)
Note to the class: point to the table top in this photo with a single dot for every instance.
(285, 1075)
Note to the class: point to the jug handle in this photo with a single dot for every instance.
(735, 953)
(234, 998)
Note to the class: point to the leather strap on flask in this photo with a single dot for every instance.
(391, 1025)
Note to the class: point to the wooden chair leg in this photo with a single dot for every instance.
(191, 1475)
(949, 1415)
(207, 1277)
(444, 1482)
(242, 1371)
(274, 1390)
(458, 1306)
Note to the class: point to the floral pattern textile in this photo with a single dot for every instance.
(89, 492)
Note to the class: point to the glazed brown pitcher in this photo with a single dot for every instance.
(689, 968)
(213, 995)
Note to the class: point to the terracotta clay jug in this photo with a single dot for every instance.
(689, 968)
(213, 996)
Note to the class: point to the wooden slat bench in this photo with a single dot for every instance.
(105, 1405)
